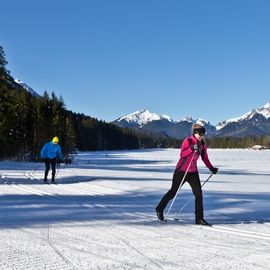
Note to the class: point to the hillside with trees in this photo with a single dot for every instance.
(27, 122)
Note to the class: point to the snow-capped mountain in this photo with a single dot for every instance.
(253, 123)
(141, 118)
(264, 110)
(146, 121)
(27, 88)
(164, 125)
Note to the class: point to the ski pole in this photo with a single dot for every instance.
(32, 174)
(182, 181)
(192, 198)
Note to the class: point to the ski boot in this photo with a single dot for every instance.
(201, 221)
(160, 215)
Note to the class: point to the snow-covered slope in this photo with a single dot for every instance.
(161, 124)
(142, 117)
(26, 87)
(264, 111)
(253, 123)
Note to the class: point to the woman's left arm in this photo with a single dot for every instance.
(205, 158)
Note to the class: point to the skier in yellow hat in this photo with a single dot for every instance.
(50, 152)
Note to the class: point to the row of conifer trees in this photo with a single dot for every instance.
(27, 122)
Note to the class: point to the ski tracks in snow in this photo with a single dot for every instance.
(127, 237)
(208, 244)
(26, 248)
(240, 232)
(61, 255)
(118, 233)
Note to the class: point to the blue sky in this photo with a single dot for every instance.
(107, 58)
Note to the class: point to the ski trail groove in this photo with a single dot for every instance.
(61, 255)
(160, 266)
(80, 240)
(238, 233)
(242, 231)
(132, 247)
(191, 239)
(34, 236)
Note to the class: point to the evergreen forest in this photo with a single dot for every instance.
(27, 122)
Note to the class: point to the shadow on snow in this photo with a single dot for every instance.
(220, 207)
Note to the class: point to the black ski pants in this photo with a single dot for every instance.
(194, 180)
(49, 163)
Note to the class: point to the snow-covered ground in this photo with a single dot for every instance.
(100, 215)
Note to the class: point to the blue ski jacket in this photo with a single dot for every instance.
(51, 151)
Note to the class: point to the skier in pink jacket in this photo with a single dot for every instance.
(192, 148)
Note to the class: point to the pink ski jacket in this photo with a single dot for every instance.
(186, 155)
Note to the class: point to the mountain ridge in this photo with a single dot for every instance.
(27, 88)
(253, 123)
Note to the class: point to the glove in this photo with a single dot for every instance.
(214, 170)
(196, 147)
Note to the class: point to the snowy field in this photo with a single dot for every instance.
(101, 215)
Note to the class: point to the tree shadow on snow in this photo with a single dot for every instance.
(135, 207)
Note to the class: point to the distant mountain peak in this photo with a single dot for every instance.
(161, 125)
(253, 123)
(187, 119)
(264, 110)
(199, 121)
(142, 117)
(27, 88)
(202, 122)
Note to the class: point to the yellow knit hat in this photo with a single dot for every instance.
(55, 140)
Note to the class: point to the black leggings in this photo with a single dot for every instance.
(194, 180)
(50, 163)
